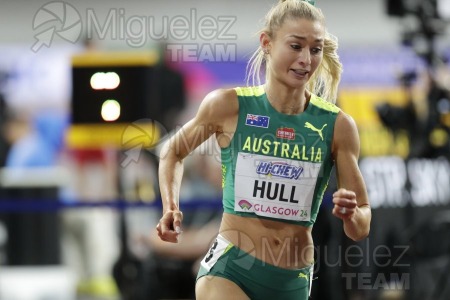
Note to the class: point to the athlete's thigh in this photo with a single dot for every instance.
(218, 288)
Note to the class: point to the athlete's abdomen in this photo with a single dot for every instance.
(284, 245)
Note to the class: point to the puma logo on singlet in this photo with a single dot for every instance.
(313, 128)
(301, 275)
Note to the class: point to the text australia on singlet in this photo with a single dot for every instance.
(279, 186)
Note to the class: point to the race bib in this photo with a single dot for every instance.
(275, 187)
(217, 249)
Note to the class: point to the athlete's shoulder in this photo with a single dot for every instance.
(221, 96)
(323, 104)
(219, 103)
(345, 121)
(346, 132)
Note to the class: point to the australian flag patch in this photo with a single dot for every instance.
(257, 121)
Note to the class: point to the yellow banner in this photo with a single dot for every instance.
(376, 139)
(117, 135)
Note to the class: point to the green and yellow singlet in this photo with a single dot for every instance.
(277, 166)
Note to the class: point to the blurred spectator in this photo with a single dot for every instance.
(426, 116)
(90, 237)
(35, 141)
(432, 109)
(3, 142)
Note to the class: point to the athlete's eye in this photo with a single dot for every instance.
(316, 50)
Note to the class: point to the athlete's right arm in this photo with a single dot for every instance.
(215, 111)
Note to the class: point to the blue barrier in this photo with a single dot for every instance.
(49, 205)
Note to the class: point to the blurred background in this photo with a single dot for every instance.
(90, 89)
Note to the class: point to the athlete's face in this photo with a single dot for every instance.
(295, 51)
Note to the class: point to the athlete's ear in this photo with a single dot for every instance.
(265, 41)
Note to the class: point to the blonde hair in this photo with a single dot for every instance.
(325, 80)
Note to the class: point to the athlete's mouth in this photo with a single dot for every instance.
(300, 72)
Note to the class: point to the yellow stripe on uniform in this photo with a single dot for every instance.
(250, 91)
(319, 102)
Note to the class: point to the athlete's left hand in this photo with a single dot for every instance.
(345, 204)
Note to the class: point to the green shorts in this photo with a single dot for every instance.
(259, 280)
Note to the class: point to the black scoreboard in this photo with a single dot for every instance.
(112, 91)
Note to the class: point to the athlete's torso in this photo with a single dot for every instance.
(275, 170)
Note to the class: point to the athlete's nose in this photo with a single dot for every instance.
(305, 57)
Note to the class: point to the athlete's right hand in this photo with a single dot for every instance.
(169, 226)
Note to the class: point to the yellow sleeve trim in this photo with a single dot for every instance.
(319, 102)
(250, 91)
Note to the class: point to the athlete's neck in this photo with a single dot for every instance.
(286, 100)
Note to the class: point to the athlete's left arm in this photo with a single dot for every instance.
(352, 193)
